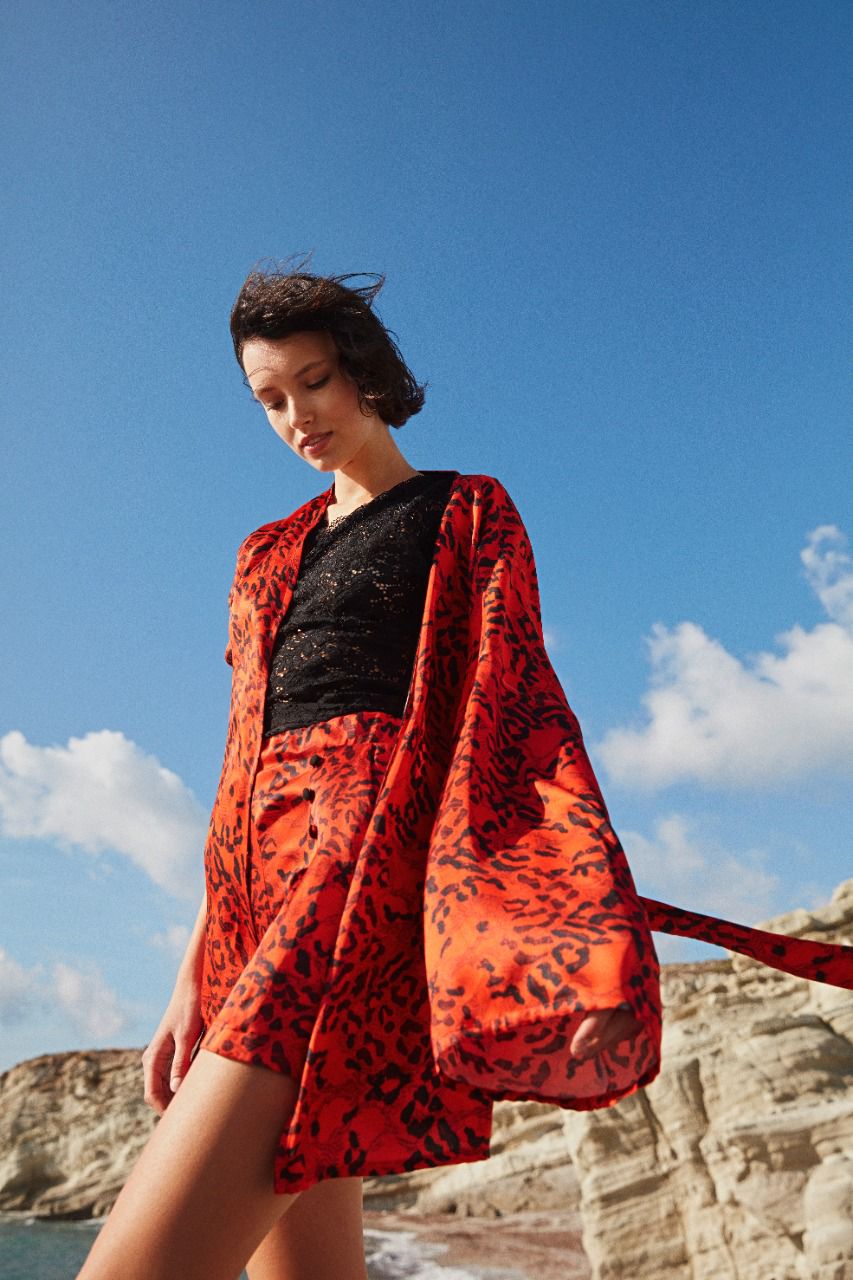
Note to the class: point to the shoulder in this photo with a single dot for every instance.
(489, 497)
(481, 519)
(260, 540)
(483, 488)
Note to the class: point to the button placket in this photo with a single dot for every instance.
(309, 794)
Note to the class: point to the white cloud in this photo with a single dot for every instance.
(101, 792)
(89, 1004)
(682, 866)
(715, 719)
(18, 990)
(172, 940)
(79, 995)
(829, 571)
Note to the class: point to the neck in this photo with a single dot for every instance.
(365, 477)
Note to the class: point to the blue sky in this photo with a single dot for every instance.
(617, 245)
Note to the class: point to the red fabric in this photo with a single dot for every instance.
(277, 915)
(817, 961)
(504, 900)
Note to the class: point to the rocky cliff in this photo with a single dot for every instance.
(71, 1128)
(735, 1164)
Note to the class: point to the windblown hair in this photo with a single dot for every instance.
(277, 302)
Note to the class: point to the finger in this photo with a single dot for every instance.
(157, 1094)
(157, 1070)
(180, 1063)
(590, 1034)
(602, 1029)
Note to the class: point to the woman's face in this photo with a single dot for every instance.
(307, 397)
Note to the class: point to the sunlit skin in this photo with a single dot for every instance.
(199, 1202)
(302, 389)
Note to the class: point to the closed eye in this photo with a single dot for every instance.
(273, 406)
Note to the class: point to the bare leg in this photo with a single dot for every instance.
(200, 1198)
(320, 1238)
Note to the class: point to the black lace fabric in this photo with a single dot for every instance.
(348, 640)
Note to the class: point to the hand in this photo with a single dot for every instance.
(166, 1059)
(602, 1029)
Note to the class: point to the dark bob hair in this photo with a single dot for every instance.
(277, 302)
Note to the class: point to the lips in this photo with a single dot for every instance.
(315, 439)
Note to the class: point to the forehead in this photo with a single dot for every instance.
(284, 357)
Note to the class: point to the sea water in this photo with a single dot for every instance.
(32, 1249)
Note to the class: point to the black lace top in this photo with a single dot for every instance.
(348, 639)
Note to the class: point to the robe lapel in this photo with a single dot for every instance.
(265, 575)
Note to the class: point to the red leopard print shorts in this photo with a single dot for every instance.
(273, 930)
(312, 800)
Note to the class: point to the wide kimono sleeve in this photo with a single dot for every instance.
(532, 918)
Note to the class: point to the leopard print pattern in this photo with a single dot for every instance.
(483, 903)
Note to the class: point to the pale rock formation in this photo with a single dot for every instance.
(735, 1164)
(528, 1170)
(71, 1128)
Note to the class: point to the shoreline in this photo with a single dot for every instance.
(530, 1245)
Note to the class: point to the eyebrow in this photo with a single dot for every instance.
(298, 374)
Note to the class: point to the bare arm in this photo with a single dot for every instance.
(166, 1059)
(190, 967)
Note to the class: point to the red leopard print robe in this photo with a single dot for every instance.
(506, 906)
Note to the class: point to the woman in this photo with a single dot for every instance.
(415, 903)
(325, 707)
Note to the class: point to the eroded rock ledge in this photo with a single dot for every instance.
(735, 1164)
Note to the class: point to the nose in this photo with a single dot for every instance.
(300, 413)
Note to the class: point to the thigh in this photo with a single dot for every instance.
(200, 1199)
(321, 1237)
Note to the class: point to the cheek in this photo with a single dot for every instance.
(346, 404)
(278, 424)
(281, 432)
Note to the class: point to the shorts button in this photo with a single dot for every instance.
(307, 793)
(315, 760)
(313, 830)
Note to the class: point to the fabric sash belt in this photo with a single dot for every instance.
(817, 961)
